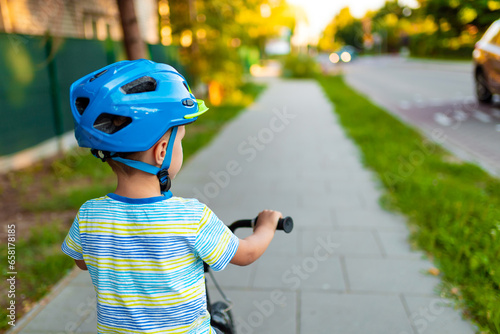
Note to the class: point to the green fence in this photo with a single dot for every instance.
(36, 73)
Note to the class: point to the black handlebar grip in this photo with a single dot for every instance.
(285, 224)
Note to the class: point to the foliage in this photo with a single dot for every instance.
(459, 14)
(350, 34)
(344, 29)
(300, 66)
(458, 26)
(453, 207)
(223, 33)
(437, 28)
(424, 45)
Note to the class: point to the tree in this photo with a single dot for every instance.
(389, 23)
(220, 32)
(134, 45)
(344, 29)
(455, 16)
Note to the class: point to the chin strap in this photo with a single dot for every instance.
(161, 172)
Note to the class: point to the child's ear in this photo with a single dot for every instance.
(160, 150)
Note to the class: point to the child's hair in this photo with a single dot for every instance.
(119, 167)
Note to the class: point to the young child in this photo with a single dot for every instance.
(143, 248)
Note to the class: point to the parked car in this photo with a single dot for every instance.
(344, 55)
(486, 56)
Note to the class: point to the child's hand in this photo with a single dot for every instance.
(268, 218)
(252, 247)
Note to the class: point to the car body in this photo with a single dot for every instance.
(486, 57)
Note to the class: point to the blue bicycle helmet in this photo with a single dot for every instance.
(128, 106)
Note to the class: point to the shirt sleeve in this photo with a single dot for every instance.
(215, 243)
(72, 245)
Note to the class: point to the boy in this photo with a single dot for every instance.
(143, 248)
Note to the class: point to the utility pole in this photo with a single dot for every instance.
(134, 45)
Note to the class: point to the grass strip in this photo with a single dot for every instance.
(453, 207)
(65, 184)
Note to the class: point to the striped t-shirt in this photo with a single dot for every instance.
(145, 258)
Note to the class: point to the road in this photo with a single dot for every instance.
(436, 97)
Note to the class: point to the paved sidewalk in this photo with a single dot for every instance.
(346, 268)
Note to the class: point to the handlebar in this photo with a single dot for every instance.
(284, 224)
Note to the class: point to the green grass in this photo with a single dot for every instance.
(39, 265)
(453, 207)
(65, 184)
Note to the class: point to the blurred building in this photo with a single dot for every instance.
(89, 19)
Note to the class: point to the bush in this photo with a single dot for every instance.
(300, 66)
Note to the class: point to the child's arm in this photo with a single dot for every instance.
(252, 247)
(81, 264)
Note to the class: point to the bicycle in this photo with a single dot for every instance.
(220, 311)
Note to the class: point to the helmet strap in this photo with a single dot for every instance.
(162, 172)
(163, 177)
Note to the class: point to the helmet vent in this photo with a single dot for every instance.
(141, 85)
(81, 104)
(97, 75)
(185, 85)
(110, 124)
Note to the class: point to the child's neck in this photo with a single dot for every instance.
(138, 185)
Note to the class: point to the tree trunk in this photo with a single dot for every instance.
(134, 45)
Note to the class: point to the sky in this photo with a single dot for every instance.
(321, 12)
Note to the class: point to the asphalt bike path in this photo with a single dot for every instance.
(347, 267)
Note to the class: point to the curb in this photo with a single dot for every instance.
(40, 305)
(36, 153)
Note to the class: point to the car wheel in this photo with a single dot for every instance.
(483, 93)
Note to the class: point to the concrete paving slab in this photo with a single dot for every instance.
(88, 325)
(313, 218)
(370, 192)
(264, 312)
(304, 185)
(369, 218)
(254, 205)
(285, 244)
(349, 242)
(344, 164)
(310, 193)
(293, 273)
(390, 275)
(435, 315)
(235, 277)
(66, 312)
(340, 313)
(395, 244)
(316, 243)
(344, 200)
(82, 279)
